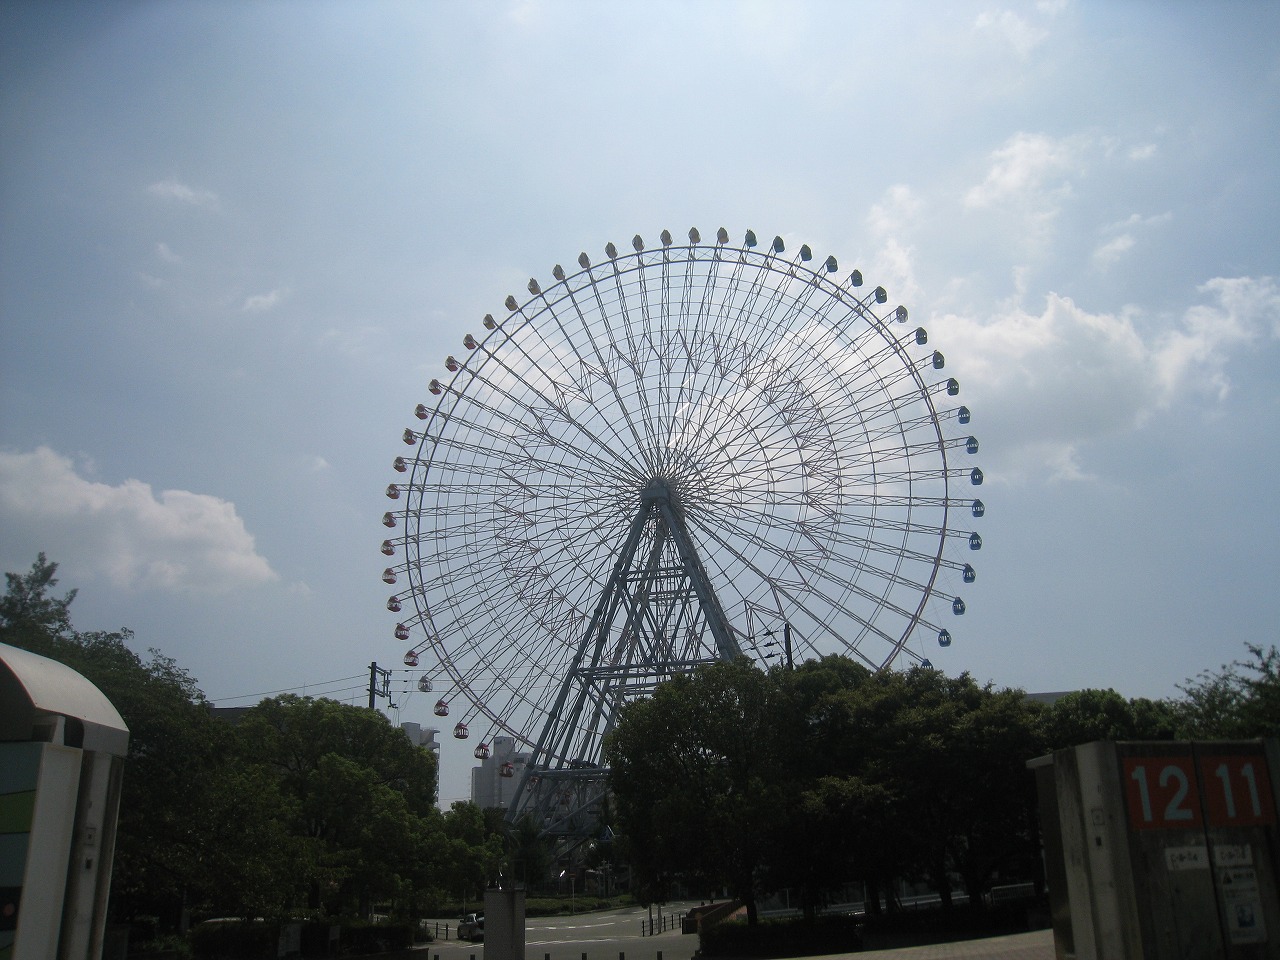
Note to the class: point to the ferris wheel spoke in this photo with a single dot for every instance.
(600, 369)
(599, 354)
(803, 572)
(822, 551)
(534, 423)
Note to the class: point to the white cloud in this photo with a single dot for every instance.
(1124, 240)
(175, 541)
(1196, 355)
(1049, 383)
(890, 220)
(262, 302)
(166, 254)
(1113, 249)
(1030, 168)
(1012, 29)
(896, 211)
(1142, 152)
(893, 268)
(177, 192)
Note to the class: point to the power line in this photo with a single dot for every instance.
(304, 687)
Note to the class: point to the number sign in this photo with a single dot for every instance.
(1237, 790)
(1163, 792)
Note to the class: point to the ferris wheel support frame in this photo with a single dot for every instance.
(559, 786)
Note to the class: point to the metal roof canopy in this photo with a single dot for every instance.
(36, 691)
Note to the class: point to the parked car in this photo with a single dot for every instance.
(471, 927)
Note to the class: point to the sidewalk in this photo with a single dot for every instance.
(1037, 945)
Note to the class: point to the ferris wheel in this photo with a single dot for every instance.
(668, 456)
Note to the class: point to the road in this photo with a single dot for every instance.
(607, 935)
(616, 935)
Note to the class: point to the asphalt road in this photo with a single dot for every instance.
(609, 935)
(616, 935)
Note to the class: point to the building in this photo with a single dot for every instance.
(494, 781)
(426, 739)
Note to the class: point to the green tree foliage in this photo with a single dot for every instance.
(694, 769)
(181, 772)
(1088, 715)
(1240, 700)
(27, 611)
(528, 852)
(807, 779)
(307, 799)
(472, 851)
(361, 795)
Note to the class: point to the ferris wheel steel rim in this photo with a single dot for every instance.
(800, 424)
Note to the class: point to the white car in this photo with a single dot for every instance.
(471, 927)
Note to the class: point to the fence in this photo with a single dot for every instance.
(659, 924)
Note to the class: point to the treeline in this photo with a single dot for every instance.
(305, 807)
(732, 778)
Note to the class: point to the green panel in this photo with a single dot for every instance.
(16, 811)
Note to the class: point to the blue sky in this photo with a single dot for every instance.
(240, 238)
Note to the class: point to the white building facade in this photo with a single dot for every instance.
(494, 781)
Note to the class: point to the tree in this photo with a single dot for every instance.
(307, 800)
(694, 769)
(1088, 715)
(176, 752)
(360, 793)
(1240, 700)
(26, 610)
(472, 851)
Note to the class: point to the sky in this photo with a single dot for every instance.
(237, 240)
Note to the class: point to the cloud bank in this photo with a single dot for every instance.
(1050, 382)
(174, 541)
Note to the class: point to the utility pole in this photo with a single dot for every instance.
(379, 683)
(786, 644)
